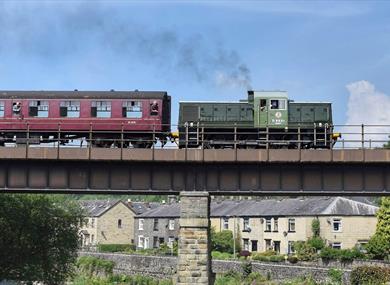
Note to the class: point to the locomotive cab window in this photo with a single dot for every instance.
(278, 104)
(38, 109)
(70, 109)
(154, 108)
(263, 104)
(101, 109)
(132, 109)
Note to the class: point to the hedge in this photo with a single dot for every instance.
(370, 275)
(116, 247)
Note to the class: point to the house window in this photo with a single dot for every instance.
(291, 248)
(246, 225)
(38, 109)
(171, 225)
(101, 109)
(146, 243)
(170, 242)
(254, 245)
(132, 109)
(336, 245)
(336, 225)
(225, 223)
(70, 109)
(141, 240)
(92, 222)
(119, 224)
(276, 224)
(155, 242)
(141, 224)
(85, 222)
(161, 240)
(92, 239)
(246, 243)
(268, 245)
(291, 225)
(1, 109)
(155, 224)
(277, 246)
(267, 225)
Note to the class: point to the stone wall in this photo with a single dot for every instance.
(166, 266)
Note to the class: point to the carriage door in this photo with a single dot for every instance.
(263, 112)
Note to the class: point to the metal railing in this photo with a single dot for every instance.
(120, 135)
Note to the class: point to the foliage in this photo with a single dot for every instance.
(236, 278)
(165, 249)
(370, 275)
(116, 247)
(305, 251)
(304, 280)
(221, 255)
(387, 145)
(245, 253)
(222, 241)
(91, 266)
(39, 237)
(316, 242)
(292, 259)
(335, 276)
(246, 268)
(379, 244)
(315, 227)
(266, 256)
(120, 279)
(344, 255)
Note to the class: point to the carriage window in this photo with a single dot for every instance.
(70, 109)
(154, 108)
(1, 109)
(132, 109)
(278, 104)
(101, 109)
(38, 109)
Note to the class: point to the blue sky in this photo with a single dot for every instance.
(204, 50)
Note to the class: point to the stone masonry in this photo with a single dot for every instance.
(194, 261)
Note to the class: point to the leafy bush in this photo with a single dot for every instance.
(292, 259)
(316, 243)
(245, 253)
(90, 266)
(277, 258)
(223, 241)
(116, 247)
(336, 276)
(221, 255)
(315, 227)
(344, 255)
(378, 247)
(266, 258)
(305, 251)
(370, 275)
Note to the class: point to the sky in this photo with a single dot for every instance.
(336, 51)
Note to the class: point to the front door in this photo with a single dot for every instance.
(263, 112)
(254, 245)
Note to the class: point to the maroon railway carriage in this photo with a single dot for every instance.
(104, 117)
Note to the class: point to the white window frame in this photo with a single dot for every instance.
(245, 243)
(141, 224)
(141, 241)
(42, 108)
(92, 222)
(72, 108)
(171, 224)
(133, 109)
(339, 245)
(340, 227)
(103, 108)
(246, 226)
(2, 108)
(276, 224)
(171, 240)
(225, 223)
(291, 249)
(291, 221)
(268, 225)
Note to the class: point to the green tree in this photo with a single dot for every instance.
(387, 145)
(39, 237)
(223, 241)
(379, 244)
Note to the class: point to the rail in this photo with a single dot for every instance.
(114, 135)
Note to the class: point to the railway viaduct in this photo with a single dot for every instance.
(195, 174)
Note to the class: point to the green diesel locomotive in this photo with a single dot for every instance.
(266, 119)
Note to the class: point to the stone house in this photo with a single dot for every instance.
(157, 226)
(272, 223)
(277, 224)
(109, 221)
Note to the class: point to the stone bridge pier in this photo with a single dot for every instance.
(194, 253)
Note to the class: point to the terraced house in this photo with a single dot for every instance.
(110, 221)
(270, 224)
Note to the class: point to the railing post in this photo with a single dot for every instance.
(186, 142)
(90, 141)
(315, 135)
(235, 136)
(58, 140)
(122, 141)
(202, 137)
(299, 138)
(362, 136)
(27, 139)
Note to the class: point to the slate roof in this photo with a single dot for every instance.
(317, 206)
(96, 208)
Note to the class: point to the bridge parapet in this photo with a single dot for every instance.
(198, 155)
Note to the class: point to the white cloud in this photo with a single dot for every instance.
(370, 107)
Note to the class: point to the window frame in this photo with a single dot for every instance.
(276, 225)
(171, 224)
(141, 224)
(338, 245)
(278, 104)
(291, 221)
(246, 227)
(225, 223)
(101, 107)
(155, 224)
(42, 107)
(268, 224)
(119, 224)
(70, 105)
(340, 225)
(130, 106)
